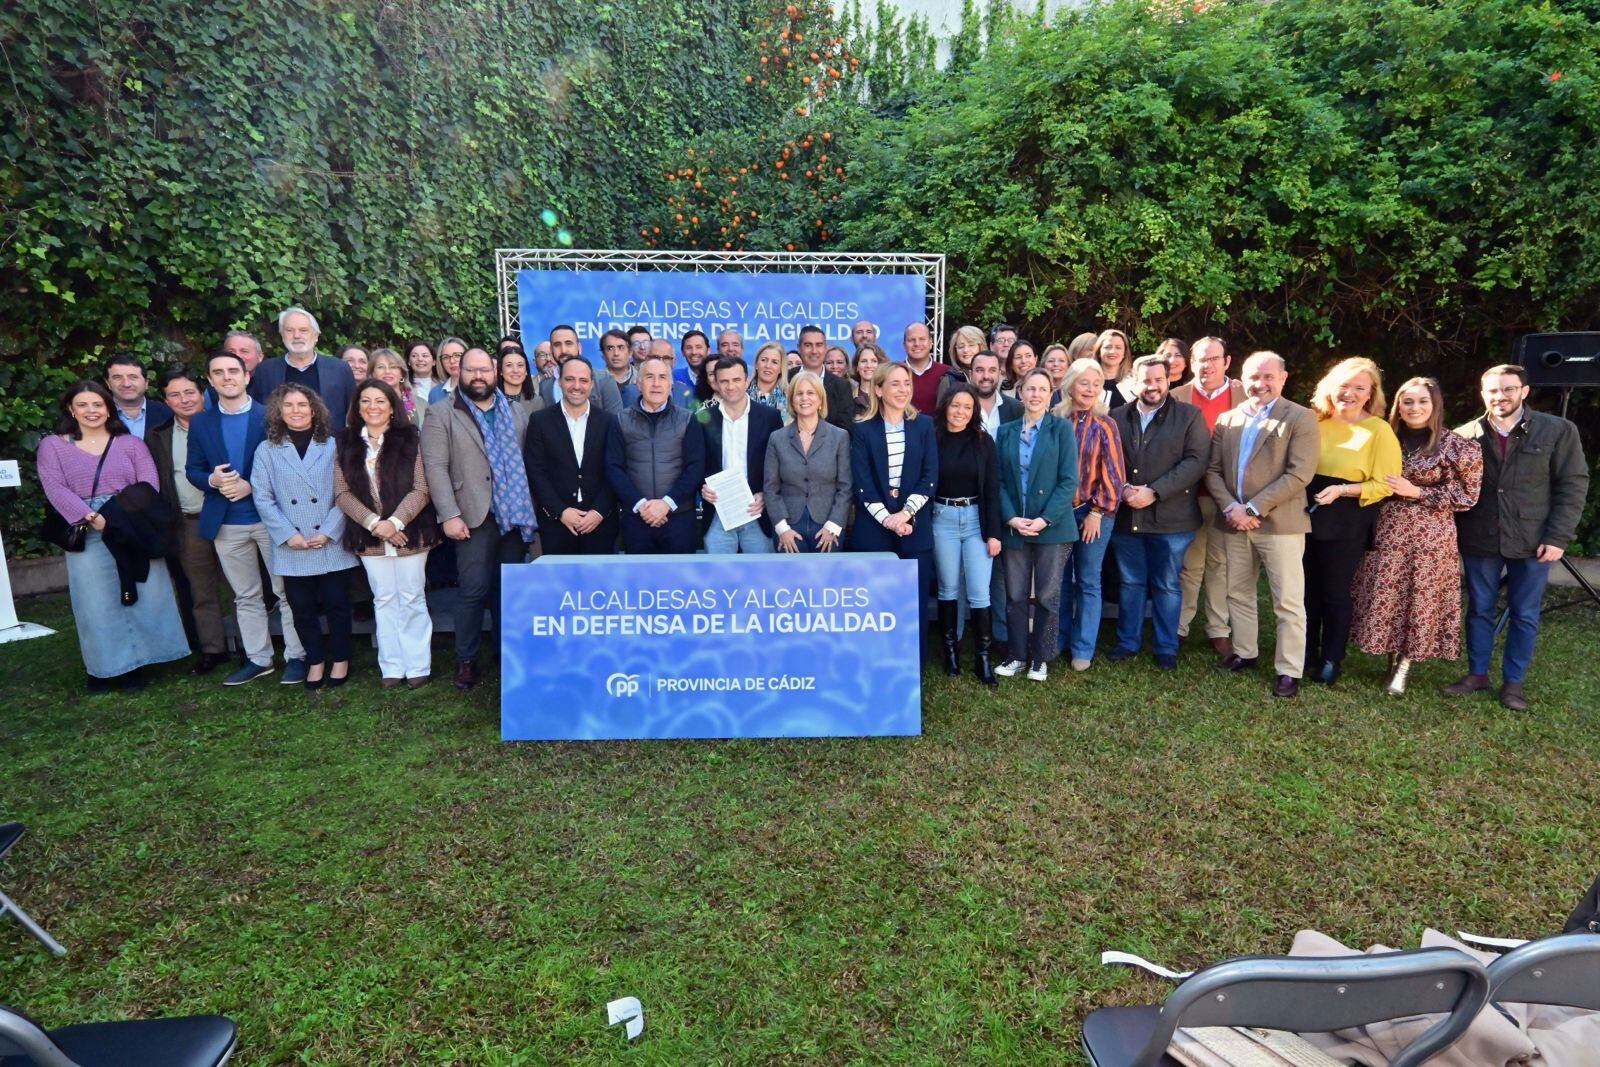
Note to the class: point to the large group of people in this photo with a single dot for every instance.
(1030, 485)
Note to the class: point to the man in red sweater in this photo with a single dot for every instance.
(1213, 392)
(927, 375)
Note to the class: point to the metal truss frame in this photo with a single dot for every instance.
(507, 261)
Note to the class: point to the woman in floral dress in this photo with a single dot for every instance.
(1408, 588)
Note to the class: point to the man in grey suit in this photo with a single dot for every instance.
(472, 453)
(329, 378)
(1263, 455)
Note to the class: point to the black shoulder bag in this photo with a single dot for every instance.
(72, 537)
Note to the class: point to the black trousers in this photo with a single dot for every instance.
(311, 599)
(1330, 571)
(557, 540)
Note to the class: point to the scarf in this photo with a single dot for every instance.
(513, 503)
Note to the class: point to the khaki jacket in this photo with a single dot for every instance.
(1276, 473)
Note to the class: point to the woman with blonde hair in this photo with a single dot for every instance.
(894, 464)
(1360, 453)
(1408, 587)
(389, 368)
(1081, 347)
(807, 486)
(1094, 506)
(965, 343)
(766, 378)
(869, 357)
(1111, 349)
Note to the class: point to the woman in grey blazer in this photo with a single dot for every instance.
(292, 481)
(808, 483)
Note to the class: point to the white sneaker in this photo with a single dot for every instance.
(1038, 672)
(1009, 668)
(1080, 664)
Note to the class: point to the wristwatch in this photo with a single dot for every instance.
(1250, 510)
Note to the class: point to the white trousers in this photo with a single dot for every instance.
(243, 551)
(400, 609)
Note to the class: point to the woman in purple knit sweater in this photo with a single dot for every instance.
(116, 639)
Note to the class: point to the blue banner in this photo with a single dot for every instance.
(762, 307)
(606, 647)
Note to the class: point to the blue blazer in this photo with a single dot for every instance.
(295, 495)
(335, 384)
(919, 473)
(764, 422)
(1052, 482)
(207, 451)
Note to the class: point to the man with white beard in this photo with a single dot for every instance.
(302, 364)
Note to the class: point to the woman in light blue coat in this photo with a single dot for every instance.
(292, 481)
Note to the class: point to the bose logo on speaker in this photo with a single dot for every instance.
(623, 685)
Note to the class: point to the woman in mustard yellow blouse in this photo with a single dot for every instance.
(1359, 453)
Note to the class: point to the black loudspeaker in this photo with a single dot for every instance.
(1564, 360)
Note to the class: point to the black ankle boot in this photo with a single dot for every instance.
(982, 641)
(948, 610)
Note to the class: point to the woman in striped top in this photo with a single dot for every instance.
(1100, 479)
(895, 465)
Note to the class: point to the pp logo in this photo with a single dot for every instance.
(623, 685)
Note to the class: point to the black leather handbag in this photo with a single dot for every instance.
(71, 537)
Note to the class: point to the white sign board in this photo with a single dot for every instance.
(10, 628)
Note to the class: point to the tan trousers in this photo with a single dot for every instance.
(1205, 559)
(1282, 556)
(240, 551)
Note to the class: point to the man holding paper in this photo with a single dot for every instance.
(736, 459)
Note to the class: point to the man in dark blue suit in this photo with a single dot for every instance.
(736, 440)
(326, 376)
(222, 449)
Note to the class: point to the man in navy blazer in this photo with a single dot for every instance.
(222, 449)
(565, 456)
(736, 439)
(140, 413)
(326, 376)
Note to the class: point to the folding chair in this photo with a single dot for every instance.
(10, 834)
(190, 1041)
(1562, 970)
(1301, 994)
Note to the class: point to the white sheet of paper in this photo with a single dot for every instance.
(733, 498)
(628, 1011)
(1113, 956)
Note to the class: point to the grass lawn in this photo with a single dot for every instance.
(371, 877)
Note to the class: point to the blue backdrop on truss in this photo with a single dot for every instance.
(761, 306)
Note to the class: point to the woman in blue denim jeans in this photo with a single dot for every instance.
(1100, 480)
(966, 525)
